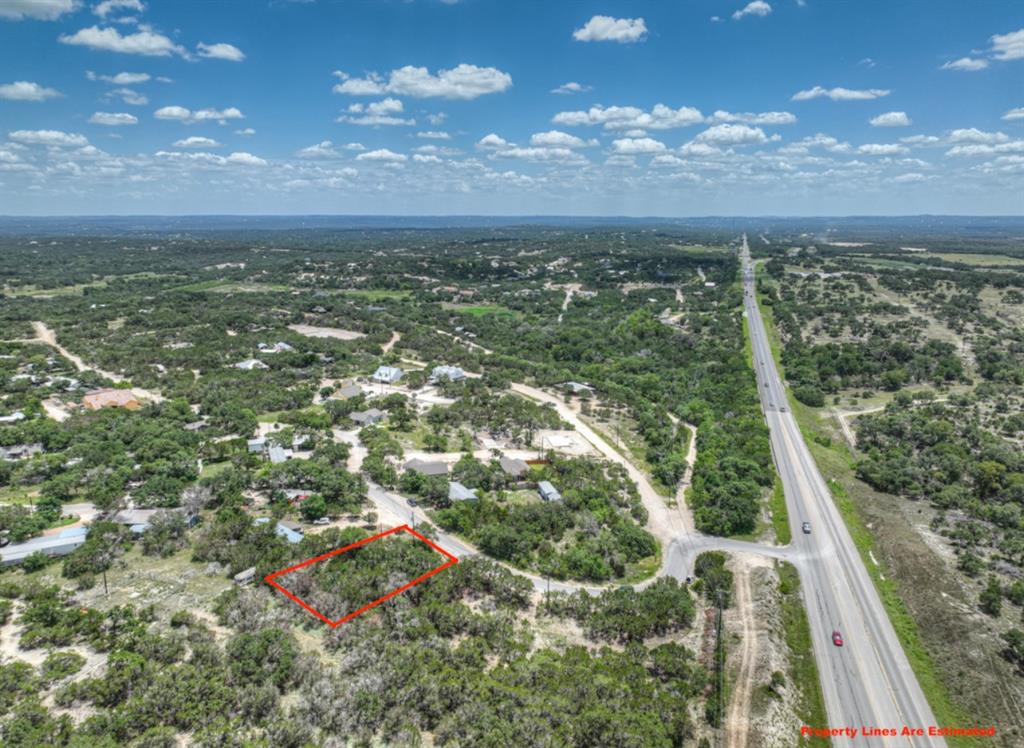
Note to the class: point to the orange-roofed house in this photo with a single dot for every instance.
(110, 398)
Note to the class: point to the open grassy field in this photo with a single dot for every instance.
(479, 310)
(375, 294)
(78, 288)
(966, 258)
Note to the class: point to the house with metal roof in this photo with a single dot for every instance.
(451, 373)
(458, 492)
(250, 363)
(285, 532)
(277, 454)
(548, 492)
(388, 374)
(257, 445)
(52, 545)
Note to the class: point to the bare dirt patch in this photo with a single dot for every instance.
(337, 333)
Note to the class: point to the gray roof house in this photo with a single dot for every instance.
(548, 492)
(388, 374)
(278, 455)
(52, 545)
(257, 445)
(451, 373)
(367, 417)
(458, 492)
(285, 532)
(513, 466)
(427, 467)
(20, 451)
(349, 391)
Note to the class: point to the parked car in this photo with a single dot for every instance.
(322, 521)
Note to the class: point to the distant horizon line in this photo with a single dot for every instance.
(546, 216)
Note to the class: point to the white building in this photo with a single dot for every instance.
(388, 374)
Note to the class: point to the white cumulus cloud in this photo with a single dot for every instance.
(245, 159)
(754, 118)
(730, 134)
(377, 113)
(143, 42)
(608, 29)
(881, 149)
(1008, 46)
(196, 141)
(220, 51)
(104, 8)
(383, 155)
(41, 10)
(891, 119)
(572, 87)
(48, 137)
(323, 149)
(27, 91)
(661, 117)
(121, 79)
(464, 81)
(491, 140)
(187, 116)
(558, 139)
(840, 94)
(755, 8)
(636, 146)
(966, 64)
(1014, 114)
(434, 135)
(113, 119)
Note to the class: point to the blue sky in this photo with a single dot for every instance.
(702, 107)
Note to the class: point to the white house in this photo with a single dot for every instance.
(451, 373)
(251, 363)
(388, 374)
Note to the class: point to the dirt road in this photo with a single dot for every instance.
(46, 336)
(737, 723)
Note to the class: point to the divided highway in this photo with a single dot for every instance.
(867, 682)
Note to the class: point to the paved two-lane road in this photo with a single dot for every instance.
(868, 682)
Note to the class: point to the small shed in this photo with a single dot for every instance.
(458, 492)
(245, 576)
(548, 492)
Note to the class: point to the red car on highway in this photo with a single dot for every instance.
(837, 638)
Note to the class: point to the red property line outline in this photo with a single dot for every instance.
(269, 579)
